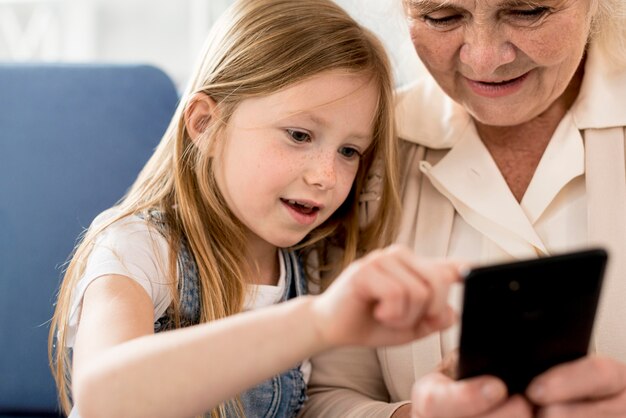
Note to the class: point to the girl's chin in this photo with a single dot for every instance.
(287, 241)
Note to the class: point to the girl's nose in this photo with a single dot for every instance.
(485, 49)
(321, 172)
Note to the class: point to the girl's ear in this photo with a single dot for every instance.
(199, 112)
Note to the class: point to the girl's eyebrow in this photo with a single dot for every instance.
(308, 115)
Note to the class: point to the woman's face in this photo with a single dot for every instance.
(505, 61)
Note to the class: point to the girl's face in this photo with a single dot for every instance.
(288, 160)
(505, 61)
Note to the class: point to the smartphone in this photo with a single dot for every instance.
(521, 318)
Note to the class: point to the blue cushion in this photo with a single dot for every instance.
(72, 140)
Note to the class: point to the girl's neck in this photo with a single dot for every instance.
(263, 264)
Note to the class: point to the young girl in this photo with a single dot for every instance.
(256, 181)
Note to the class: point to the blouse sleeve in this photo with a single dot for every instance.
(348, 382)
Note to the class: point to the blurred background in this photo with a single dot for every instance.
(165, 33)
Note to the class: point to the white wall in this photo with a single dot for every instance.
(386, 19)
(166, 33)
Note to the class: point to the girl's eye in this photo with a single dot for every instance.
(348, 152)
(299, 136)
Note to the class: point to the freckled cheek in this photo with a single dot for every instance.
(345, 180)
(551, 47)
(279, 164)
(543, 51)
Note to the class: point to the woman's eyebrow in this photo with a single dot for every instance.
(520, 3)
(428, 6)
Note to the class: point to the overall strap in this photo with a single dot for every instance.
(295, 279)
(605, 177)
(187, 277)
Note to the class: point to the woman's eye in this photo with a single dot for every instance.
(441, 22)
(529, 14)
(299, 136)
(348, 152)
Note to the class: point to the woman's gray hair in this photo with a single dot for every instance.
(609, 29)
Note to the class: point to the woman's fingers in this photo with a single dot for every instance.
(438, 396)
(584, 379)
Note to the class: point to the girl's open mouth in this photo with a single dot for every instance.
(302, 207)
(303, 212)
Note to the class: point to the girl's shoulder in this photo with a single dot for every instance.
(131, 236)
(129, 246)
(114, 223)
(133, 245)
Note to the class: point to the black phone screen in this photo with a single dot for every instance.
(521, 318)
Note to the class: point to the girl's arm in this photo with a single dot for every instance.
(122, 369)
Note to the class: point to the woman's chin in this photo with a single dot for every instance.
(499, 116)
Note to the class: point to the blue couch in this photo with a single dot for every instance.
(72, 140)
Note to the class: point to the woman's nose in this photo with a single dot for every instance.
(321, 172)
(484, 50)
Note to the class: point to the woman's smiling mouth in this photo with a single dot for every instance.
(494, 89)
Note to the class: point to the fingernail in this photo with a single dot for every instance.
(492, 391)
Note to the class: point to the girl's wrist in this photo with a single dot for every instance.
(316, 323)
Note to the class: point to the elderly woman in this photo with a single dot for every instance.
(514, 148)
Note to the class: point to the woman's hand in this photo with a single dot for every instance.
(388, 297)
(438, 396)
(589, 387)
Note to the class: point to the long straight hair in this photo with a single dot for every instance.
(256, 48)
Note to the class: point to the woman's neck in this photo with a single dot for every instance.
(518, 149)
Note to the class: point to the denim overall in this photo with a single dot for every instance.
(283, 395)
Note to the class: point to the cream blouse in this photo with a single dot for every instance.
(490, 225)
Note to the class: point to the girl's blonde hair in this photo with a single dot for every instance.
(256, 48)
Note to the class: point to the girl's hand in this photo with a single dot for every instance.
(589, 387)
(388, 297)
